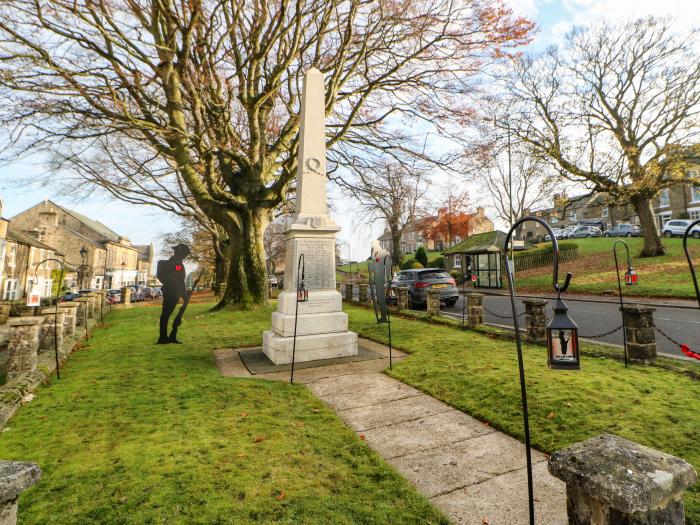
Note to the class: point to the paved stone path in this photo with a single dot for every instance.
(471, 472)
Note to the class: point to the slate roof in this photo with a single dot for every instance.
(145, 251)
(25, 238)
(99, 228)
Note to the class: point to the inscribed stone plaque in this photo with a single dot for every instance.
(318, 262)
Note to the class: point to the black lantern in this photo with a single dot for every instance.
(630, 276)
(302, 292)
(562, 340)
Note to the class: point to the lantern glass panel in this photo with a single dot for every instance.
(631, 277)
(302, 294)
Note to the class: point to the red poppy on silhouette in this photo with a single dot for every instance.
(178, 267)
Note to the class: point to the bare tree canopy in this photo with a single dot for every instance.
(513, 177)
(213, 88)
(617, 108)
(388, 192)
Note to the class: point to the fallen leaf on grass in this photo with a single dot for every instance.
(258, 439)
(299, 424)
(244, 414)
(362, 437)
(280, 497)
(241, 455)
(551, 415)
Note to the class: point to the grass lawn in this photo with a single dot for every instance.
(478, 375)
(594, 270)
(139, 433)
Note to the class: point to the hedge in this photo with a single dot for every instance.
(542, 256)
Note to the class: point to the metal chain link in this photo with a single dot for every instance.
(666, 335)
(502, 316)
(598, 336)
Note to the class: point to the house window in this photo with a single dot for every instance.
(458, 239)
(48, 284)
(573, 215)
(664, 198)
(410, 236)
(458, 260)
(12, 262)
(694, 214)
(604, 212)
(10, 292)
(695, 194)
(554, 220)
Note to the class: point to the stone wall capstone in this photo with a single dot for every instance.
(639, 327)
(15, 478)
(536, 319)
(81, 313)
(23, 346)
(433, 306)
(69, 320)
(47, 334)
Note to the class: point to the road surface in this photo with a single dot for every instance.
(595, 318)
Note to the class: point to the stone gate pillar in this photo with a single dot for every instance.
(15, 478)
(639, 327)
(126, 295)
(22, 356)
(536, 319)
(402, 298)
(81, 312)
(70, 319)
(46, 337)
(348, 292)
(364, 296)
(475, 308)
(433, 303)
(615, 481)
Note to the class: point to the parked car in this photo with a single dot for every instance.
(272, 281)
(69, 296)
(557, 234)
(157, 291)
(565, 232)
(113, 296)
(624, 230)
(149, 293)
(678, 227)
(585, 231)
(137, 294)
(419, 282)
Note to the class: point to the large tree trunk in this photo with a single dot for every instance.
(652, 239)
(255, 222)
(220, 269)
(236, 291)
(395, 243)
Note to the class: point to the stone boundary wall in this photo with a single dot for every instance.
(16, 390)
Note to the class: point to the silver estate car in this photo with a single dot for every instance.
(419, 282)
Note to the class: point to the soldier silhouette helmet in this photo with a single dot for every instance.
(181, 251)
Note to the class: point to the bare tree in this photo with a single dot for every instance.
(388, 192)
(275, 245)
(213, 87)
(514, 178)
(616, 109)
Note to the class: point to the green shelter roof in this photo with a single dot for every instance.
(487, 242)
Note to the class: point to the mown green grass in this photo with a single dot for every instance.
(361, 267)
(139, 433)
(664, 276)
(479, 376)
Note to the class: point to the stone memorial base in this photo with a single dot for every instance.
(322, 329)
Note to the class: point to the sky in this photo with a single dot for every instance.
(143, 225)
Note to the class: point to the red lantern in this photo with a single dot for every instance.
(302, 293)
(473, 278)
(630, 276)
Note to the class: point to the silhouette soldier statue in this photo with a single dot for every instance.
(171, 273)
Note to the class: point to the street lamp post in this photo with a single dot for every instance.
(81, 274)
(123, 265)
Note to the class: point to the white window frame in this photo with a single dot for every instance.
(46, 288)
(458, 239)
(694, 194)
(458, 260)
(665, 198)
(694, 214)
(10, 289)
(12, 260)
(604, 212)
(573, 215)
(553, 220)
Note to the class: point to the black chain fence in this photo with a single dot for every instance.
(502, 316)
(598, 336)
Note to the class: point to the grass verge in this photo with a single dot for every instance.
(139, 433)
(479, 375)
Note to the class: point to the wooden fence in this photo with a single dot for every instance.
(543, 256)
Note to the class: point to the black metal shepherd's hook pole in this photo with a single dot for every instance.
(388, 314)
(619, 290)
(464, 296)
(300, 280)
(55, 313)
(690, 260)
(523, 390)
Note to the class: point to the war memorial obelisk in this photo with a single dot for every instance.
(322, 327)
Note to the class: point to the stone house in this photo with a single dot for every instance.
(24, 265)
(414, 235)
(144, 264)
(111, 260)
(681, 201)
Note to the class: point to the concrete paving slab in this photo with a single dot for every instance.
(425, 433)
(392, 412)
(502, 500)
(456, 465)
(354, 391)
